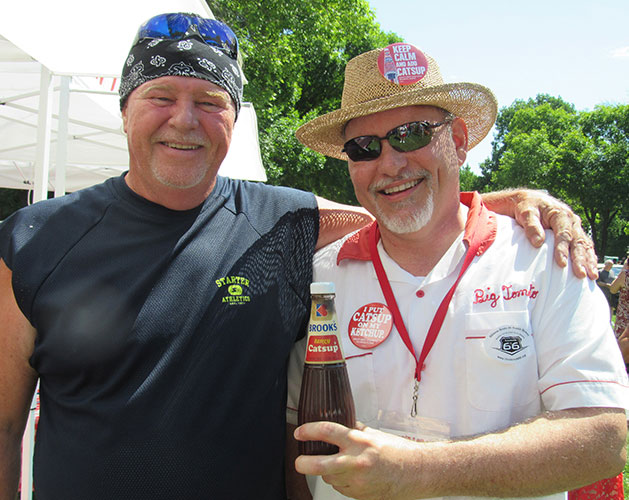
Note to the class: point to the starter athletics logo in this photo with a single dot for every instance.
(235, 287)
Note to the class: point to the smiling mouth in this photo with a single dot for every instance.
(183, 147)
(402, 187)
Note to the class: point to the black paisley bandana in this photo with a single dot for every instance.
(154, 58)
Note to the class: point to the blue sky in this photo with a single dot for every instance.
(575, 49)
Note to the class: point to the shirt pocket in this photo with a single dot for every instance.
(363, 382)
(500, 359)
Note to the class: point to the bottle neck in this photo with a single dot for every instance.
(324, 343)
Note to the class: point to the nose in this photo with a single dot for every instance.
(184, 115)
(390, 161)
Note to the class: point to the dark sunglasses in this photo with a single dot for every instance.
(181, 26)
(405, 138)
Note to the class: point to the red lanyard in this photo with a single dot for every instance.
(437, 321)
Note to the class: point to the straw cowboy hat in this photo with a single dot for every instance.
(367, 91)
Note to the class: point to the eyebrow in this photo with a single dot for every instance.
(223, 96)
(156, 87)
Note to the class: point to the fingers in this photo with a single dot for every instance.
(536, 211)
(583, 257)
(341, 471)
(561, 252)
(317, 465)
(529, 219)
(570, 240)
(330, 432)
(560, 219)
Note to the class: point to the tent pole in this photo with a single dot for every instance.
(44, 124)
(62, 137)
(28, 444)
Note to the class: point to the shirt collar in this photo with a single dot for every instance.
(480, 228)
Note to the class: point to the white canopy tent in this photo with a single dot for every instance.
(60, 124)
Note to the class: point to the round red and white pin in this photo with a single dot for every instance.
(402, 63)
(370, 325)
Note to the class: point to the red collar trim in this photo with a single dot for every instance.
(480, 228)
(356, 247)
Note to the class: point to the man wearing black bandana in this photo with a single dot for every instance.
(158, 309)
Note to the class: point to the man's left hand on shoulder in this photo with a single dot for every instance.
(535, 211)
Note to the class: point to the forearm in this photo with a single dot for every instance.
(337, 220)
(555, 452)
(502, 202)
(17, 383)
(618, 283)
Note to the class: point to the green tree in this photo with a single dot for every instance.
(11, 200)
(468, 180)
(294, 58)
(503, 126)
(581, 157)
(592, 169)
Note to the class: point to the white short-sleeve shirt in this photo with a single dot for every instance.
(521, 336)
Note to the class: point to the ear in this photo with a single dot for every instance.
(460, 138)
(124, 118)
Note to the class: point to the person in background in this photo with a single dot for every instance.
(487, 372)
(620, 285)
(158, 309)
(605, 278)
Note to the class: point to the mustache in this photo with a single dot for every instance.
(404, 176)
(194, 139)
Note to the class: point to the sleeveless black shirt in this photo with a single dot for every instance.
(162, 338)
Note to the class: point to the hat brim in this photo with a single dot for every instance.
(474, 103)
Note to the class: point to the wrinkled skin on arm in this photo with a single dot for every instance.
(533, 210)
(536, 211)
(553, 452)
(17, 383)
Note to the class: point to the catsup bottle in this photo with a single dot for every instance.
(325, 390)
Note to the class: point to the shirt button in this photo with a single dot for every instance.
(419, 293)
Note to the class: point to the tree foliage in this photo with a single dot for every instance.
(294, 59)
(581, 157)
(11, 200)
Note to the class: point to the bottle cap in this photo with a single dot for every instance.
(322, 288)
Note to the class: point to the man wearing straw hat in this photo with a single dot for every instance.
(486, 370)
(158, 309)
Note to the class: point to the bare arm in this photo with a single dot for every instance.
(556, 451)
(17, 383)
(619, 281)
(533, 210)
(337, 220)
(536, 211)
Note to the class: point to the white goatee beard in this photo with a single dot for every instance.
(409, 223)
(179, 177)
(418, 218)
